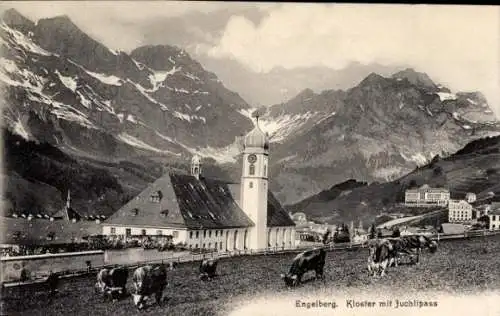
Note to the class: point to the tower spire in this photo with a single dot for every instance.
(256, 114)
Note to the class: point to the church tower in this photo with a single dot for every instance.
(196, 166)
(254, 184)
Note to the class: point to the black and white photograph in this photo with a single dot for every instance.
(249, 158)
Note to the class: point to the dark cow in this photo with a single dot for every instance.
(381, 253)
(150, 280)
(306, 261)
(208, 268)
(413, 243)
(111, 282)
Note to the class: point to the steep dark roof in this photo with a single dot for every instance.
(25, 232)
(276, 214)
(207, 203)
(187, 202)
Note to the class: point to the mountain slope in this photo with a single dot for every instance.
(116, 120)
(375, 131)
(59, 82)
(474, 168)
(280, 84)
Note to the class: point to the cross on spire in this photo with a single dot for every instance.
(256, 114)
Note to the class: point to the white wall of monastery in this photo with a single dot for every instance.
(179, 235)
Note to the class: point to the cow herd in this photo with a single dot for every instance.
(148, 281)
(151, 280)
(387, 252)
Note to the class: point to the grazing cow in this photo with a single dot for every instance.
(52, 283)
(408, 244)
(306, 261)
(150, 280)
(381, 252)
(112, 282)
(208, 267)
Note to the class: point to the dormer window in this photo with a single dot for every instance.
(16, 235)
(51, 236)
(164, 213)
(156, 197)
(134, 212)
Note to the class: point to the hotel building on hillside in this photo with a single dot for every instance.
(427, 196)
(459, 211)
(209, 213)
(494, 215)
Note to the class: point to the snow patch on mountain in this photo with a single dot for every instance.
(131, 119)
(419, 158)
(144, 92)
(139, 65)
(20, 130)
(221, 155)
(388, 173)
(84, 101)
(135, 142)
(283, 126)
(248, 113)
(471, 101)
(21, 40)
(157, 78)
(69, 82)
(443, 96)
(189, 118)
(34, 85)
(192, 77)
(29, 79)
(106, 79)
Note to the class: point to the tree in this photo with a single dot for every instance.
(412, 184)
(484, 220)
(379, 233)
(396, 232)
(373, 231)
(326, 236)
(437, 170)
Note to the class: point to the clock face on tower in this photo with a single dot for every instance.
(252, 158)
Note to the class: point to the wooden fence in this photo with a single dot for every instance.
(269, 251)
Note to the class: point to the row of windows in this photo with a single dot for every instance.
(217, 234)
(128, 232)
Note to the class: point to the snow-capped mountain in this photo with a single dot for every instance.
(377, 131)
(65, 88)
(62, 87)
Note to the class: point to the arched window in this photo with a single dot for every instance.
(265, 171)
(250, 185)
(251, 170)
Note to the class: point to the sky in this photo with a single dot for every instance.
(457, 46)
